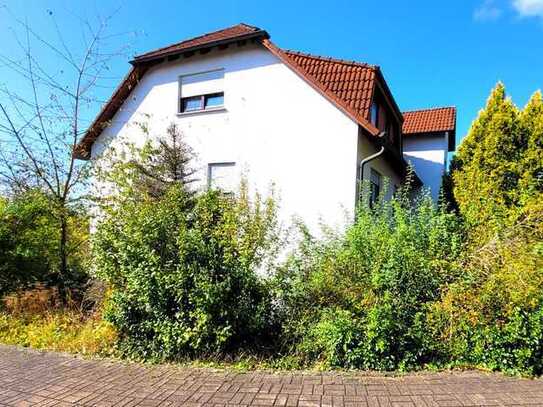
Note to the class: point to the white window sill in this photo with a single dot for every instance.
(204, 111)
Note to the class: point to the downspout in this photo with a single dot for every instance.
(370, 158)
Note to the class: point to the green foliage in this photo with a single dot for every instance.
(184, 280)
(29, 242)
(492, 316)
(499, 165)
(408, 284)
(359, 299)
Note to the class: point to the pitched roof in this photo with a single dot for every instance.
(236, 32)
(429, 120)
(352, 82)
(331, 77)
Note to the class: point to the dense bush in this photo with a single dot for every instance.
(29, 243)
(360, 299)
(410, 284)
(184, 280)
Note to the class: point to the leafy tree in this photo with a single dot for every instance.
(493, 315)
(29, 245)
(531, 162)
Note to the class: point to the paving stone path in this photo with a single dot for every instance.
(53, 379)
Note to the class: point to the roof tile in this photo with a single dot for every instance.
(429, 120)
(349, 81)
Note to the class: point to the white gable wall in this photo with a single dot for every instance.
(428, 155)
(276, 128)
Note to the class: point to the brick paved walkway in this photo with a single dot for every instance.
(33, 378)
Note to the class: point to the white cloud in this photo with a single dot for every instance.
(488, 11)
(529, 8)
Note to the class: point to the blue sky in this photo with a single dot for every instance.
(432, 53)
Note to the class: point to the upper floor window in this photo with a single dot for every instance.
(374, 113)
(382, 119)
(201, 91)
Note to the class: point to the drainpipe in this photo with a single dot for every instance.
(370, 158)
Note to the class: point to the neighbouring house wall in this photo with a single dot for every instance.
(365, 149)
(428, 154)
(276, 128)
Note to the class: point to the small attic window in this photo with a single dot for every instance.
(374, 113)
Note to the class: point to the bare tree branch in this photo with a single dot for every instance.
(44, 113)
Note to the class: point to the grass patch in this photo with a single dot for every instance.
(59, 330)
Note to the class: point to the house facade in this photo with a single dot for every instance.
(299, 122)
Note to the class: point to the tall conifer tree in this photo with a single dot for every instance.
(486, 177)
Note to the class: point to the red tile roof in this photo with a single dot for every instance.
(350, 81)
(236, 32)
(320, 73)
(429, 120)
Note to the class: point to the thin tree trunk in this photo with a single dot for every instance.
(63, 254)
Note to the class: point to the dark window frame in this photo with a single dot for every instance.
(203, 102)
(375, 188)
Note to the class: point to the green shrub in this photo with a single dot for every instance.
(29, 243)
(359, 299)
(183, 272)
(492, 316)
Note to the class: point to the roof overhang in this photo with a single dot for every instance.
(208, 45)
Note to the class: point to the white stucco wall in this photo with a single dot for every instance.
(275, 127)
(428, 154)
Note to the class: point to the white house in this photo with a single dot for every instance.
(304, 123)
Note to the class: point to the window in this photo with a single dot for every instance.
(375, 186)
(391, 130)
(202, 91)
(190, 104)
(382, 119)
(374, 113)
(214, 100)
(222, 176)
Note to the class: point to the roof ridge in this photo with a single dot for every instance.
(253, 27)
(196, 38)
(428, 109)
(331, 59)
